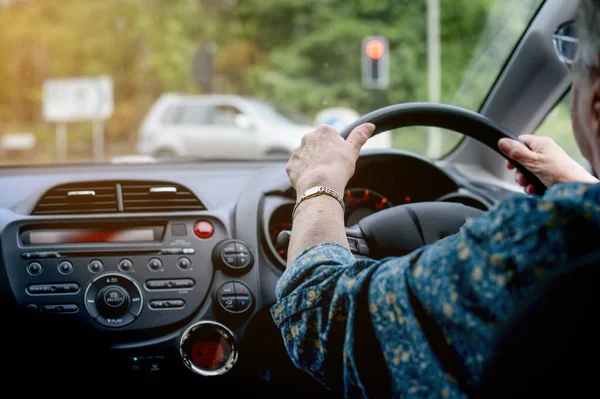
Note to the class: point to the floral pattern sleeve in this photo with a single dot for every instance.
(421, 325)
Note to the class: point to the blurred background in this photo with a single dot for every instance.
(301, 58)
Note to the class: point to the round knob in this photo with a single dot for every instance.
(95, 266)
(184, 263)
(234, 256)
(34, 268)
(65, 267)
(113, 301)
(125, 265)
(234, 297)
(154, 264)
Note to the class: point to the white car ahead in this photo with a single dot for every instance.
(219, 126)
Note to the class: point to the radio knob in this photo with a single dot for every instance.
(125, 265)
(184, 263)
(233, 256)
(65, 267)
(113, 301)
(34, 268)
(155, 264)
(95, 266)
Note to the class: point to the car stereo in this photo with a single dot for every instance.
(126, 274)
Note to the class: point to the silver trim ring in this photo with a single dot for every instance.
(209, 373)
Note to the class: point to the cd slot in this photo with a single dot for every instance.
(107, 252)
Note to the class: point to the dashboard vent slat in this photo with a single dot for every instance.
(89, 198)
(158, 197)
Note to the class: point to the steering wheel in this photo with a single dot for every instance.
(402, 229)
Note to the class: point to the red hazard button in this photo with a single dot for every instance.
(204, 229)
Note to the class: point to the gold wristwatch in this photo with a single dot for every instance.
(315, 192)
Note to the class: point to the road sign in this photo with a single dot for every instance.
(375, 60)
(78, 99)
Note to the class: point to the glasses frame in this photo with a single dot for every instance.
(556, 38)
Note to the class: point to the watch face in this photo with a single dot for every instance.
(311, 191)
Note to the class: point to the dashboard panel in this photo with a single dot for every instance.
(381, 180)
(178, 290)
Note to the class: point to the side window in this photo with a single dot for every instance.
(224, 115)
(171, 115)
(194, 115)
(557, 125)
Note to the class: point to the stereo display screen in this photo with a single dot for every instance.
(72, 236)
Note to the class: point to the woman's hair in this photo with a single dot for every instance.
(588, 29)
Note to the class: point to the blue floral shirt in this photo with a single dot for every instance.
(415, 326)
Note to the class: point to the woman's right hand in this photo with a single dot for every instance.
(545, 159)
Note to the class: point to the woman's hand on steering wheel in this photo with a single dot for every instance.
(544, 158)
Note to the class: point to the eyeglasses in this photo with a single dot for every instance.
(566, 43)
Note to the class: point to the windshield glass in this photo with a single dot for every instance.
(268, 112)
(97, 80)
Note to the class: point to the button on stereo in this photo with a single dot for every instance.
(234, 297)
(177, 251)
(65, 267)
(45, 289)
(95, 266)
(34, 268)
(183, 263)
(61, 309)
(39, 255)
(167, 304)
(113, 300)
(114, 297)
(235, 257)
(125, 265)
(180, 283)
(154, 264)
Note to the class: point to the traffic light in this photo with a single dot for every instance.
(375, 62)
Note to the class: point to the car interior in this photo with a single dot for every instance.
(160, 275)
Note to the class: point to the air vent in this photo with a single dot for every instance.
(79, 198)
(140, 196)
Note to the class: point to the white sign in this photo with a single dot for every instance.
(78, 99)
(17, 141)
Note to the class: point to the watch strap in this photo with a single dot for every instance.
(317, 191)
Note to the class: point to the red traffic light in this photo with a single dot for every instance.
(375, 49)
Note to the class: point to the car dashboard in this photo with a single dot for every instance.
(172, 267)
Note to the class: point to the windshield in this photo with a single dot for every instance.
(268, 112)
(97, 80)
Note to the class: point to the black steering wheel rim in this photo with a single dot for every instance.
(458, 119)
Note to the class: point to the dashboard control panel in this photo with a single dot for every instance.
(129, 275)
(233, 256)
(234, 297)
(113, 300)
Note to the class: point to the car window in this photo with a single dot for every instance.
(557, 125)
(171, 115)
(195, 115)
(224, 115)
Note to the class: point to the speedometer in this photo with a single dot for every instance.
(362, 202)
